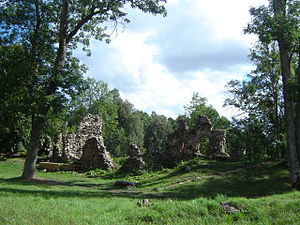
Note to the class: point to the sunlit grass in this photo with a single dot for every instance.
(262, 195)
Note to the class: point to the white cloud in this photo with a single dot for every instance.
(133, 62)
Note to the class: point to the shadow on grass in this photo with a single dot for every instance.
(258, 181)
(199, 167)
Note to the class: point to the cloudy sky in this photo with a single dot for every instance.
(158, 63)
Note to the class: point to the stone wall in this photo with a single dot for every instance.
(91, 126)
(86, 145)
(184, 142)
(94, 155)
(135, 162)
(216, 146)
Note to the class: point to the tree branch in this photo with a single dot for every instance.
(84, 21)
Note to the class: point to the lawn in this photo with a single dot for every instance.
(192, 193)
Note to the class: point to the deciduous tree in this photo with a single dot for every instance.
(51, 29)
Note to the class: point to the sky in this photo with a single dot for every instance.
(157, 63)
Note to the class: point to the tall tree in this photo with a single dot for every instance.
(259, 99)
(51, 29)
(280, 22)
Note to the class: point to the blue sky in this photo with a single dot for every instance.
(157, 63)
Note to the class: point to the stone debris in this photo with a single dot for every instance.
(229, 207)
(184, 142)
(196, 135)
(86, 146)
(135, 161)
(143, 203)
(124, 183)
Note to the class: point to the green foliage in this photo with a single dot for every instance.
(122, 124)
(260, 130)
(49, 31)
(159, 128)
(14, 114)
(199, 106)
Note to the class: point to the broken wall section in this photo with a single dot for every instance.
(85, 146)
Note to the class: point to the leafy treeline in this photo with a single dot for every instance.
(122, 123)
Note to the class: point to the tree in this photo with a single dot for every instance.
(260, 101)
(280, 22)
(50, 30)
(159, 128)
(199, 106)
(131, 121)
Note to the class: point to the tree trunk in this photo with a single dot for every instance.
(37, 126)
(38, 122)
(298, 108)
(279, 12)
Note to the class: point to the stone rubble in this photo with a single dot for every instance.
(86, 146)
(135, 161)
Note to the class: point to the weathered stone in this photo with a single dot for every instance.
(135, 161)
(94, 155)
(143, 203)
(176, 144)
(229, 207)
(216, 146)
(184, 143)
(201, 130)
(86, 145)
(56, 154)
(73, 143)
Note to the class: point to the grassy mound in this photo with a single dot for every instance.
(196, 192)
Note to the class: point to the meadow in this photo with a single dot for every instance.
(192, 193)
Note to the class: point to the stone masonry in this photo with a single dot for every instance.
(216, 146)
(135, 161)
(86, 145)
(184, 142)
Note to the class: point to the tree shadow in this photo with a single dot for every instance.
(207, 167)
(259, 181)
(249, 183)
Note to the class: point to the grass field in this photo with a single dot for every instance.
(259, 192)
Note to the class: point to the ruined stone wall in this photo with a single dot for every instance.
(86, 145)
(91, 126)
(94, 155)
(216, 146)
(135, 162)
(184, 142)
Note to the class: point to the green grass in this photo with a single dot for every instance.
(260, 191)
